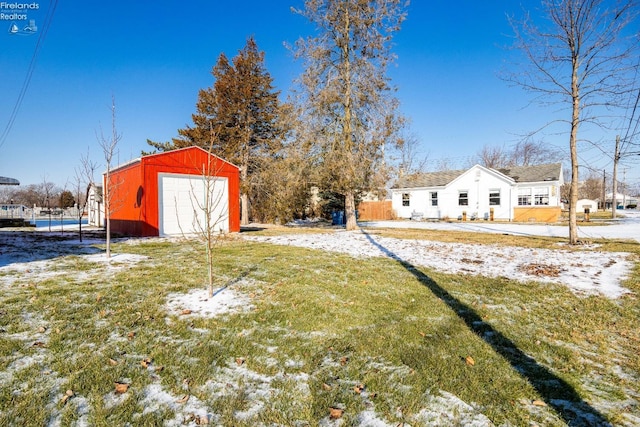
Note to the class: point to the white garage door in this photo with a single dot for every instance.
(182, 204)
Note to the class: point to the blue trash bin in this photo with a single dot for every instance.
(335, 218)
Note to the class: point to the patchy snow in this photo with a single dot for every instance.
(586, 271)
(627, 227)
(197, 302)
(33, 256)
(38, 256)
(155, 398)
(447, 409)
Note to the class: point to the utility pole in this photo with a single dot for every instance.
(614, 197)
(604, 190)
(624, 189)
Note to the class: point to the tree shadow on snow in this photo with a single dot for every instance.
(555, 391)
(27, 246)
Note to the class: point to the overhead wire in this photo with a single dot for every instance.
(32, 65)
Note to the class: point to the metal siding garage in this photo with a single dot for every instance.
(181, 201)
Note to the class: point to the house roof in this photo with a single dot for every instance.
(8, 181)
(428, 179)
(535, 173)
(165, 153)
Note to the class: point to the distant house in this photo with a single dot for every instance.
(8, 181)
(583, 204)
(623, 201)
(95, 206)
(519, 193)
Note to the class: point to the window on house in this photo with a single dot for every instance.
(524, 197)
(463, 198)
(541, 196)
(494, 197)
(434, 198)
(405, 199)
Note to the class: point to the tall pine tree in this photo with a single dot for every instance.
(350, 111)
(241, 112)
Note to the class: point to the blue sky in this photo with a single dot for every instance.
(155, 56)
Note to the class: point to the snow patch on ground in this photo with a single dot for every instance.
(155, 398)
(38, 256)
(446, 409)
(197, 302)
(585, 272)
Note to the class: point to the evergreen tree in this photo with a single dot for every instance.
(241, 109)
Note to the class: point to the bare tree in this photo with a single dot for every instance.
(528, 152)
(444, 164)
(108, 146)
(493, 157)
(48, 193)
(410, 161)
(83, 180)
(284, 182)
(350, 111)
(581, 60)
(591, 187)
(209, 201)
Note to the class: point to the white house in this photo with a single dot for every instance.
(583, 204)
(95, 206)
(623, 201)
(519, 193)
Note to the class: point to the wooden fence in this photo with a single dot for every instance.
(380, 210)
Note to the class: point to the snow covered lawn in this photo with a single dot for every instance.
(453, 334)
(587, 271)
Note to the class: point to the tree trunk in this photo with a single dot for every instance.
(573, 149)
(107, 211)
(350, 210)
(244, 197)
(244, 201)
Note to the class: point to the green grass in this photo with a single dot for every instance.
(320, 325)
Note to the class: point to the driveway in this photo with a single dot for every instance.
(621, 228)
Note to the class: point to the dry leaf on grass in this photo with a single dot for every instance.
(538, 403)
(183, 399)
(67, 395)
(335, 413)
(469, 361)
(185, 312)
(326, 387)
(359, 388)
(121, 387)
(344, 360)
(240, 361)
(541, 270)
(146, 362)
(202, 420)
(113, 362)
(131, 335)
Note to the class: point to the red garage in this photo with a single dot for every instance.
(165, 194)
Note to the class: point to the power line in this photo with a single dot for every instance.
(32, 65)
